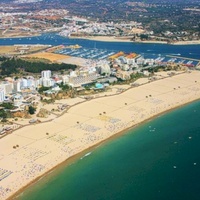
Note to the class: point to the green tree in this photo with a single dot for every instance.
(31, 110)
(64, 87)
(3, 114)
(16, 65)
(42, 89)
(7, 105)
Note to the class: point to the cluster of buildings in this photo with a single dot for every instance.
(17, 91)
(13, 88)
(83, 27)
(116, 66)
(18, 23)
(58, 20)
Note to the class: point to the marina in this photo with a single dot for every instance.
(149, 50)
(87, 53)
(102, 54)
(170, 59)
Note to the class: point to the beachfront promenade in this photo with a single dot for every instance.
(40, 147)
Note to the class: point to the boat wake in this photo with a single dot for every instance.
(87, 154)
(176, 54)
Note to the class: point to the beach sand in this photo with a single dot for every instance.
(128, 39)
(32, 151)
(105, 38)
(187, 42)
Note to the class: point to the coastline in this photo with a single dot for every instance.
(113, 39)
(72, 159)
(160, 103)
(118, 39)
(21, 36)
(103, 38)
(197, 42)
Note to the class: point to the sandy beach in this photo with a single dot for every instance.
(32, 151)
(104, 38)
(20, 36)
(118, 39)
(187, 42)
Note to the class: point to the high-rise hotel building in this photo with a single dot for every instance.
(2, 94)
(46, 74)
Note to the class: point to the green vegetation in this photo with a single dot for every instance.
(48, 101)
(144, 37)
(136, 76)
(36, 60)
(64, 87)
(2, 58)
(31, 110)
(15, 65)
(3, 114)
(155, 69)
(4, 110)
(7, 105)
(42, 89)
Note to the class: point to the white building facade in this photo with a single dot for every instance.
(46, 74)
(2, 94)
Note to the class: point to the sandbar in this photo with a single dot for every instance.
(129, 39)
(104, 38)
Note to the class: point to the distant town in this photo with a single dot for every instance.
(133, 21)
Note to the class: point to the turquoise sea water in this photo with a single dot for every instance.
(159, 160)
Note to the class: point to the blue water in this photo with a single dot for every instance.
(142, 164)
(191, 51)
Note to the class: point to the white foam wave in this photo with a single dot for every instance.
(176, 54)
(87, 154)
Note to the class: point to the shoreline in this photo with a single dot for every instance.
(101, 38)
(21, 36)
(77, 156)
(118, 39)
(161, 102)
(113, 39)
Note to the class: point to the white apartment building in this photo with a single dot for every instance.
(46, 74)
(8, 87)
(31, 83)
(18, 100)
(48, 82)
(2, 94)
(17, 86)
(24, 83)
(65, 79)
(82, 79)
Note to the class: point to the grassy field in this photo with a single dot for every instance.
(7, 50)
(18, 50)
(47, 56)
